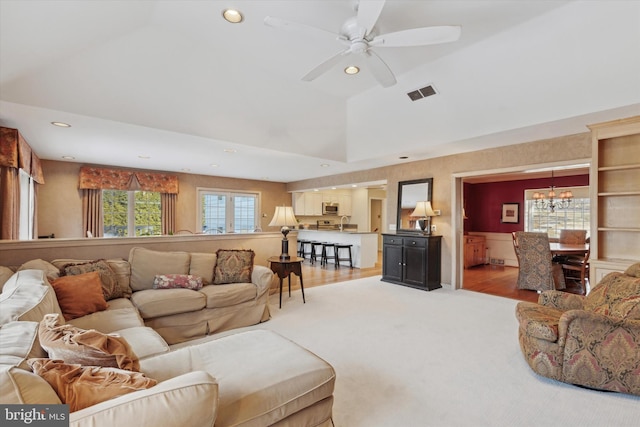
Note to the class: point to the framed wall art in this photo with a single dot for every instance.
(510, 213)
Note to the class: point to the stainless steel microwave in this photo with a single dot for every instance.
(329, 208)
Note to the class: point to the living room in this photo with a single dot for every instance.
(148, 87)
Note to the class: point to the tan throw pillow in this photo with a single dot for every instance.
(6, 273)
(110, 287)
(633, 270)
(49, 269)
(233, 266)
(79, 295)
(83, 386)
(86, 347)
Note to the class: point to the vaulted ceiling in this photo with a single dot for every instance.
(170, 85)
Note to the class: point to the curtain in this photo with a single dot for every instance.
(92, 212)
(168, 209)
(9, 203)
(118, 179)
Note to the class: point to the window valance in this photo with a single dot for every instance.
(15, 152)
(118, 179)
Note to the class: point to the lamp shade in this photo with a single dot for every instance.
(283, 217)
(423, 210)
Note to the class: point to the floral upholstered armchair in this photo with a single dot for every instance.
(592, 341)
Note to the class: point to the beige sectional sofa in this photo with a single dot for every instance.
(240, 379)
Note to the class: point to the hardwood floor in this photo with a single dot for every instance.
(499, 281)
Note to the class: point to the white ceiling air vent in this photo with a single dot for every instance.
(422, 93)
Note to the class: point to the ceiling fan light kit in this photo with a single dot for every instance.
(359, 34)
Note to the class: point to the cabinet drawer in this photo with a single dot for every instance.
(474, 239)
(391, 240)
(418, 243)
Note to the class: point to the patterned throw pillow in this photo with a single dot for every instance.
(85, 347)
(110, 287)
(233, 266)
(173, 281)
(83, 386)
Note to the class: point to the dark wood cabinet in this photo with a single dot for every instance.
(411, 260)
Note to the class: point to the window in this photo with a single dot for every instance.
(574, 217)
(131, 213)
(226, 212)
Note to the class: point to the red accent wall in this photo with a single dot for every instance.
(483, 202)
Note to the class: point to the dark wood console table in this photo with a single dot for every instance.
(284, 268)
(412, 260)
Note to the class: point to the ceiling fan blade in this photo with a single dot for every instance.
(325, 66)
(283, 24)
(380, 69)
(368, 14)
(418, 36)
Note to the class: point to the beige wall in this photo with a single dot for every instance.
(441, 169)
(60, 206)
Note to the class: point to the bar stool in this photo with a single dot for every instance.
(324, 259)
(316, 251)
(304, 249)
(338, 259)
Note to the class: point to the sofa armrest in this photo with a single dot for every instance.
(561, 300)
(187, 400)
(261, 276)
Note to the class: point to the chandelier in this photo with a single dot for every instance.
(550, 201)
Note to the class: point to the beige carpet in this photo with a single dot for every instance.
(406, 357)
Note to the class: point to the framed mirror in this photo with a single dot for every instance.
(409, 193)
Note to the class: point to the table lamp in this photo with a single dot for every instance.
(284, 218)
(425, 211)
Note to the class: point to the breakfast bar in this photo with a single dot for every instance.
(364, 249)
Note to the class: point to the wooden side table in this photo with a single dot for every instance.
(283, 268)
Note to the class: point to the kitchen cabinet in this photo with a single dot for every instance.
(615, 196)
(309, 204)
(344, 206)
(412, 261)
(474, 250)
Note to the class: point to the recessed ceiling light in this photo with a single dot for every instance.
(354, 185)
(324, 165)
(352, 69)
(61, 124)
(144, 157)
(315, 189)
(186, 170)
(232, 15)
(68, 157)
(333, 188)
(213, 165)
(229, 150)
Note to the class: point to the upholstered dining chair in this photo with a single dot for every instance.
(573, 237)
(536, 270)
(515, 246)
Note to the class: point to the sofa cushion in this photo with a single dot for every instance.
(164, 302)
(229, 294)
(202, 264)
(20, 387)
(120, 267)
(79, 295)
(19, 342)
(83, 386)
(85, 347)
(120, 314)
(144, 341)
(233, 266)
(252, 392)
(145, 264)
(617, 295)
(177, 281)
(27, 296)
(110, 287)
(51, 271)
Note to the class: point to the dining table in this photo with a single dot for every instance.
(568, 249)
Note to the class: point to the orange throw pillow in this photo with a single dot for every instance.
(85, 347)
(83, 386)
(79, 295)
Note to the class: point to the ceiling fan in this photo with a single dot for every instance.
(358, 33)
